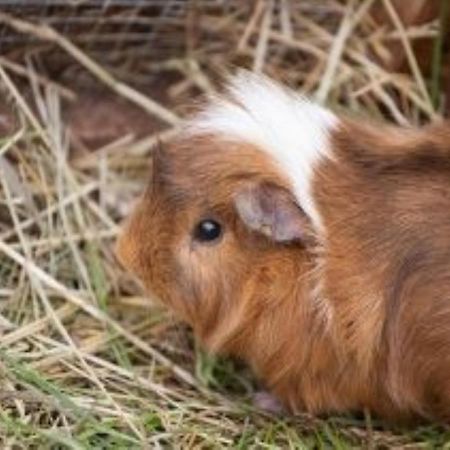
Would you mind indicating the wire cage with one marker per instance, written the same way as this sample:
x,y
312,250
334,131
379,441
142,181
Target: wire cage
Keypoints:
x,y
290,40
120,34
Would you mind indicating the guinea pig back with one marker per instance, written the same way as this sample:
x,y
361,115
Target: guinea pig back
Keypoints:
x,y
314,247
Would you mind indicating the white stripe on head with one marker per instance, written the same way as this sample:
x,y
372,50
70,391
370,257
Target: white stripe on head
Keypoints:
x,y
282,123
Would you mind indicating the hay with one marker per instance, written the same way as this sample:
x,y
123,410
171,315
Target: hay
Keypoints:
x,y
86,360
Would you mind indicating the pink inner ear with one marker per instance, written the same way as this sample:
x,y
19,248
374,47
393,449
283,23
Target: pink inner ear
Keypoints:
x,y
271,210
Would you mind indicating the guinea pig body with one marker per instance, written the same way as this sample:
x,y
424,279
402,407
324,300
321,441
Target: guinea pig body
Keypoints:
x,y
315,248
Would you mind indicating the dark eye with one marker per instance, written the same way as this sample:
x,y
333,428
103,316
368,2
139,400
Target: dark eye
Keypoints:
x,y
207,230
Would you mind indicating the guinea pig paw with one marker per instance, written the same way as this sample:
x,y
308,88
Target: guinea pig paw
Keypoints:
x,y
267,402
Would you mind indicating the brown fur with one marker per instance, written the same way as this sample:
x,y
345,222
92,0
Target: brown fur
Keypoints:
x,y
359,321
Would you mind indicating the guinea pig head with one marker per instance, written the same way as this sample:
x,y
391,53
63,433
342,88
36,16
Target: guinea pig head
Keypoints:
x,y
217,231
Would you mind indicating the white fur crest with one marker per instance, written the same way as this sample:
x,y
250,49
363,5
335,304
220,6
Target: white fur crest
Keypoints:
x,y
282,123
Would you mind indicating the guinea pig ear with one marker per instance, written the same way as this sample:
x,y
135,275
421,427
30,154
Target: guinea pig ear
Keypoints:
x,y
271,210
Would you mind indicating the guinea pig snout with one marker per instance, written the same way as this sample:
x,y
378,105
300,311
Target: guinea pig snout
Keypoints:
x,y
127,248
122,249
136,247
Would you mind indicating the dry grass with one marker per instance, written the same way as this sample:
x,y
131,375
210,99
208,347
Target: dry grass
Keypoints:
x,y
87,361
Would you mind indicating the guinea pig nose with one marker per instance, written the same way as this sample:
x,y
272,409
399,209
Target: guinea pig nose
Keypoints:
x,y
119,249
125,249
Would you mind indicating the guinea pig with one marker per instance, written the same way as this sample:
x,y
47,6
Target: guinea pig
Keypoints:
x,y
314,247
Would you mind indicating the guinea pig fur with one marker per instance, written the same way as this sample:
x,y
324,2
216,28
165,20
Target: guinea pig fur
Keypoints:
x,y
314,247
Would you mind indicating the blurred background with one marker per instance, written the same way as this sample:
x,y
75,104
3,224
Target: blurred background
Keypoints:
x,y
386,59
88,89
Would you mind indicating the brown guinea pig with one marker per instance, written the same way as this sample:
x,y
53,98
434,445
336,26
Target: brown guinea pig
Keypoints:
x,y
313,247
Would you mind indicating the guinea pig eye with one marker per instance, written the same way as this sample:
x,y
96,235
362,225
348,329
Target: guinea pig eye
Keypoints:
x,y
207,230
